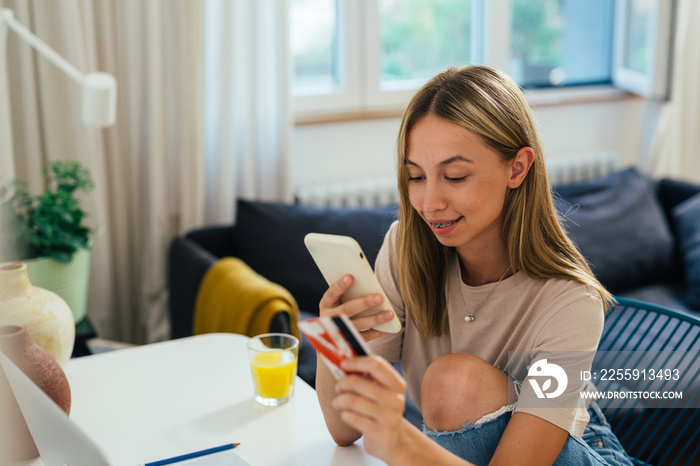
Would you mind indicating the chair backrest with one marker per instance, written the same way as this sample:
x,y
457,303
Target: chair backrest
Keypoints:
x,y
663,346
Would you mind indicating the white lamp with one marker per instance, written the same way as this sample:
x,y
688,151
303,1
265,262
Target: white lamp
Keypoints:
x,y
99,89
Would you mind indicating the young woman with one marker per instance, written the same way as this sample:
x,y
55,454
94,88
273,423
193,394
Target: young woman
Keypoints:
x,y
488,288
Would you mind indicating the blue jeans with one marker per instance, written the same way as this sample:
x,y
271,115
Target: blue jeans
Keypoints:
x,y
477,443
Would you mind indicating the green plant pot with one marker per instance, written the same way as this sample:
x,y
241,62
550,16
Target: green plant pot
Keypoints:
x,y
68,280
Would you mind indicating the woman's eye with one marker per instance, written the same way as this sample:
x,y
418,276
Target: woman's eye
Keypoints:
x,y
415,179
458,179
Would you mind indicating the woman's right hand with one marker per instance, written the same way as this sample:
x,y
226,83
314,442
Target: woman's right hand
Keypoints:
x,y
331,306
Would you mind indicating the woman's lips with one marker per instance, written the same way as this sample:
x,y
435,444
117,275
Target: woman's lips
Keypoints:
x,y
443,227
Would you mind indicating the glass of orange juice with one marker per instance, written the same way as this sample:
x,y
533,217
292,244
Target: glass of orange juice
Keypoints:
x,y
273,362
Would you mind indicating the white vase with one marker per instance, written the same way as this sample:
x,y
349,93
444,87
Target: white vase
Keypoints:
x,y
47,317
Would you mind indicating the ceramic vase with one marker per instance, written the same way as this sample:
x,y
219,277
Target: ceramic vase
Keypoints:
x,y
46,316
44,371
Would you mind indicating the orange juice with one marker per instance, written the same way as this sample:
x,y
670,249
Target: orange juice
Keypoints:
x,y
273,373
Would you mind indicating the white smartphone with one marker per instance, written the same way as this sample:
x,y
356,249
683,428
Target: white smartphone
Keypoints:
x,y
336,256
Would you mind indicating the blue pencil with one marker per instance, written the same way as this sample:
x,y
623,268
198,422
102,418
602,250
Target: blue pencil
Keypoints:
x,y
195,454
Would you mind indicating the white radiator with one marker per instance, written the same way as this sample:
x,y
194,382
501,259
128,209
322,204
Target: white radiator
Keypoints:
x,y
382,191
581,167
367,192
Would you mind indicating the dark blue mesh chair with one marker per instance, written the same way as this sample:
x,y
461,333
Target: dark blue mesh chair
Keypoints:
x,y
646,336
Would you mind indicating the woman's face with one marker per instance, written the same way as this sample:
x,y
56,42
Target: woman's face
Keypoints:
x,y
457,184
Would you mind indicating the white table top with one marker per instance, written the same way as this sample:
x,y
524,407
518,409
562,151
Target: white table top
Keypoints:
x,y
157,401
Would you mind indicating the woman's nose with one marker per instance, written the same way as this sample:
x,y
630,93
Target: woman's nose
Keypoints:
x,y
433,198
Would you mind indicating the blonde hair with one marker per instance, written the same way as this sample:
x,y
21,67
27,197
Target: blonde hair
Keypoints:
x,y
490,104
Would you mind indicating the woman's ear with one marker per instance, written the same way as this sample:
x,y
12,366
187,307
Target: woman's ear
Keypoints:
x,y
520,166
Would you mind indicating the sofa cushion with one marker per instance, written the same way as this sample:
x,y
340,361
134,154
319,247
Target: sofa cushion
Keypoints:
x,y
686,218
619,226
270,239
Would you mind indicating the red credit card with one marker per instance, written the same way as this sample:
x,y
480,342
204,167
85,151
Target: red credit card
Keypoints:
x,y
335,339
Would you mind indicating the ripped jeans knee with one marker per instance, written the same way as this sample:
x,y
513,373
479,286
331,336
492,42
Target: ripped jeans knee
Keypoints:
x,y
477,442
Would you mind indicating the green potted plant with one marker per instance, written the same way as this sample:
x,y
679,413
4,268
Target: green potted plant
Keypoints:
x,y
47,232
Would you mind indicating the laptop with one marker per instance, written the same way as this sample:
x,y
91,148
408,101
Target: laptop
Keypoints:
x,y
60,441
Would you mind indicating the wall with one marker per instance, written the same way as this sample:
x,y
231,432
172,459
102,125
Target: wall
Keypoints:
x,y
344,151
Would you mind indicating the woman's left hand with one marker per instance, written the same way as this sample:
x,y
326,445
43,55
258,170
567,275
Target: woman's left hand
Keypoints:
x,y
372,401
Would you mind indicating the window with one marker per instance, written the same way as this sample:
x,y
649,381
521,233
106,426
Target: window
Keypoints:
x,y
559,43
325,41
371,55
418,39
314,46
642,60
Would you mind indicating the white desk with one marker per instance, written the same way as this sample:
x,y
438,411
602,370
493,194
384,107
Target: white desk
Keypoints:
x,y
156,401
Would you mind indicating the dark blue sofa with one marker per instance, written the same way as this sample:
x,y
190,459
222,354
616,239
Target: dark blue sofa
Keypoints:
x,y
624,223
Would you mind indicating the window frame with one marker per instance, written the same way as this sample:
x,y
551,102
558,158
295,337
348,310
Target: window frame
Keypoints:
x,y
377,99
360,95
655,85
348,96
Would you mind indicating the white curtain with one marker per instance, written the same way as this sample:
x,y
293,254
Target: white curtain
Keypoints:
x,y
154,154
675,148
150,169
248,119
46,125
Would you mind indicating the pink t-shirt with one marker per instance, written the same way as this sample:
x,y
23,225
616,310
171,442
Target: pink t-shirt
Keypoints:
x,y
532,316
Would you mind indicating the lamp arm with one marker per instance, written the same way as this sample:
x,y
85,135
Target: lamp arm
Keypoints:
x,y
41,46
99,89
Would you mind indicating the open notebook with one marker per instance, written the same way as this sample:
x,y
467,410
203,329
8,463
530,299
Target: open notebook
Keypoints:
x,y
59,440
